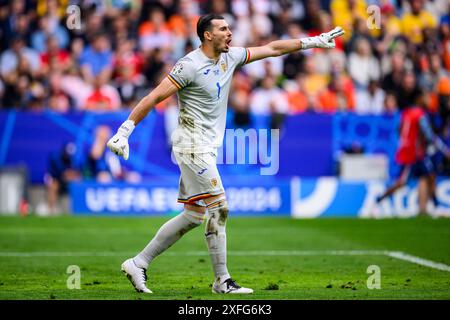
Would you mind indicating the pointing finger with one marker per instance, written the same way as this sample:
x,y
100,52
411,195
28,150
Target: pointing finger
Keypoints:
x,y
336,32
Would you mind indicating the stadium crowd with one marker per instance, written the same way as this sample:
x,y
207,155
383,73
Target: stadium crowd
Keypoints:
x,y
105,55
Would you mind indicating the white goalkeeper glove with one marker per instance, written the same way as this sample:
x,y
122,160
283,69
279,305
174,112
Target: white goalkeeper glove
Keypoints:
x,y
324,40
119,142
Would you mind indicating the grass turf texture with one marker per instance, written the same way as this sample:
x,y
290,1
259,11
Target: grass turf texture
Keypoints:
x,y
179,276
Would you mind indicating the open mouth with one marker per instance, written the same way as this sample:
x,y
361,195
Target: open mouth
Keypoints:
x,y
228,43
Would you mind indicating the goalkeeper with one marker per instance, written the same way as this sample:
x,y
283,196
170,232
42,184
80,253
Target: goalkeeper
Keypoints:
x,y
202,80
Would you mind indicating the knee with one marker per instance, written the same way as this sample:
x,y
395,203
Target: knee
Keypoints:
x,y
219,211
217,218
223,213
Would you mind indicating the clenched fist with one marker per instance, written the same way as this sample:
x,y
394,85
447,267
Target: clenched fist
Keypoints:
x,y
119,142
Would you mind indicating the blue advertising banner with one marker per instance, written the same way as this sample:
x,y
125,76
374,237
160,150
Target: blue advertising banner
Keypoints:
x,y
331,197
301,198
160,198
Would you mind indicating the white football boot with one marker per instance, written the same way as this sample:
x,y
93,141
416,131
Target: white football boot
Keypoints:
x,y
229,286
136,275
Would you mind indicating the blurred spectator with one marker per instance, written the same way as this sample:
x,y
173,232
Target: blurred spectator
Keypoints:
x,y
362,65
390,23
431,78
9,60
114,8
314,81
53,8
327,60
54,58
127,63
123,48
61,170
36,96
58,100
261,24
127,73
103,166
296,95
21,27
390,103
270,100
240,103
15,91
287,13
10,20
310,18
242,28
345,12
444,102
154,65
293,63
408,91
49,28
416,21
360,31
221,7
335,97
103,97
122,31
444,29
97,59
93,25
76,49
74,86
370,101
183,22
96,167
155,32
393,78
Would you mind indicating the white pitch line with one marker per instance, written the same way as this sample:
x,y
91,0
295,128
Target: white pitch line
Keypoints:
x,y
417,260
199,253
61,254
393,254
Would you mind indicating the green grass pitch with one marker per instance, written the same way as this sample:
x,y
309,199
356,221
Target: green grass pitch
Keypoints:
x,y
280,258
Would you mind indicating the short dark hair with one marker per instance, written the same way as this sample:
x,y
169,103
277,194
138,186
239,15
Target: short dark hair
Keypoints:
x,y
204,24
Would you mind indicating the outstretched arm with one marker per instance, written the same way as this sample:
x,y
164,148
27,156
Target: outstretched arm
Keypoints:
x,y
164,90
280,47
119,142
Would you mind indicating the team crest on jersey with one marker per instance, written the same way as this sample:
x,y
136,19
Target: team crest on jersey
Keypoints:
x,y
177,68
224,66
214,182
